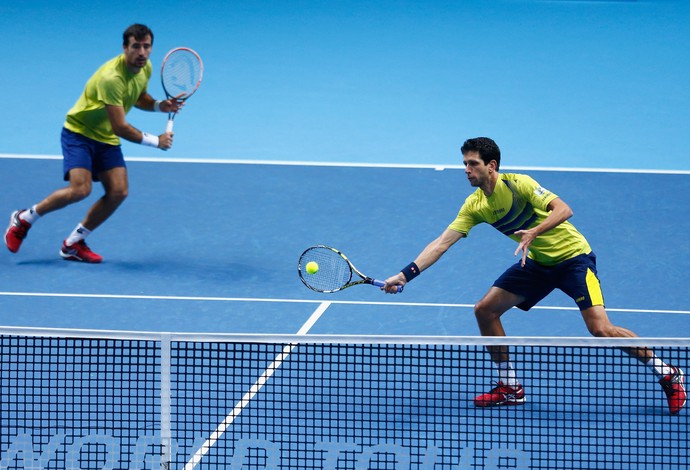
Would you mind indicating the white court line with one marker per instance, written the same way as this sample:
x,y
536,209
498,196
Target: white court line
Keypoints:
x,y
305,301
437,166
261,381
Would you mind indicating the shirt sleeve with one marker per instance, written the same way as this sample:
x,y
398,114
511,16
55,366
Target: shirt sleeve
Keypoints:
x,y
537,195
111,91
465,220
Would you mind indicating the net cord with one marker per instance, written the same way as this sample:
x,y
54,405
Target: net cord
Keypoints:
x,y
349,339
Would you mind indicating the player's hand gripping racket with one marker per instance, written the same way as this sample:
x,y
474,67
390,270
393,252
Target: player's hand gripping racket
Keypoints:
x,y
332,271
181,75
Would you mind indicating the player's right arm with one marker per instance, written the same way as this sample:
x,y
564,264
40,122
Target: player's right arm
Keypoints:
x,y
426,258
124,130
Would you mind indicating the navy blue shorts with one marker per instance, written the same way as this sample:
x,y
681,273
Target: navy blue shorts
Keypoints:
x,y
81,152
577,277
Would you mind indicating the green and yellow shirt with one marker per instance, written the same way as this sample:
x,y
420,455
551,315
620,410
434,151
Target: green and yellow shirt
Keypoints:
x,y
112,84
519,203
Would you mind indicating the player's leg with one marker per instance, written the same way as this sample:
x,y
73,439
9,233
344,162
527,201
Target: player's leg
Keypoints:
x,y
517,286
79,188
671,378
581,282
116,185
21,220
488,312
77,164
110,169
599,325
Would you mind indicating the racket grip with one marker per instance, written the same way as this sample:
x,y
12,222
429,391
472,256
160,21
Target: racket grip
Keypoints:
x,y
169,126
378,283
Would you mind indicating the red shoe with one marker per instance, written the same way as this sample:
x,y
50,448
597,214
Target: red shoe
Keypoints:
x,y
501,395
673,385
16,232
79,252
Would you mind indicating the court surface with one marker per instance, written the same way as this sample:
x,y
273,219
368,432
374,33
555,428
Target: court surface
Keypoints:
x,y
213,247
562,84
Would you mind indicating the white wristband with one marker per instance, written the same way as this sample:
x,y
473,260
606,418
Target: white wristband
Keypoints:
x,y
157,106
149,139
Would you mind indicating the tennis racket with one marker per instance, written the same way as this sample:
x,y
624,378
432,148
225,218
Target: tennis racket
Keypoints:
x,y
181,75
334,271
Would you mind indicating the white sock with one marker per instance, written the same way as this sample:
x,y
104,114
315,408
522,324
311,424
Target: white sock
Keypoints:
x,y
506,374
77,235
30,215
660,368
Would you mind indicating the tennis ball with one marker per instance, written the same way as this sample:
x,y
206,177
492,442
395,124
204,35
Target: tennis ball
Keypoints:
x,y
312,267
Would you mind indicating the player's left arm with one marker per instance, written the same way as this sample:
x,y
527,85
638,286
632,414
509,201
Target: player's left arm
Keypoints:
x,y
429,255
121,128
124,130
147,102
559,212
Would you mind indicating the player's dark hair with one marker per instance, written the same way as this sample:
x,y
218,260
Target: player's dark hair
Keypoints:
x,y
138,31
487,149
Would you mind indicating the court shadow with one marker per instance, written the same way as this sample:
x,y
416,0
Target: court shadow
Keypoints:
x,y
41,262
182,269
55,261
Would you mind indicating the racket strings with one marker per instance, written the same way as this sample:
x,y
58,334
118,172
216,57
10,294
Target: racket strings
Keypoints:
x,y
334,272
181,74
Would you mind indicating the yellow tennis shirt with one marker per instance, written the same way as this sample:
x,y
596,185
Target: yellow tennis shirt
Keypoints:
x,y
519,203
112,84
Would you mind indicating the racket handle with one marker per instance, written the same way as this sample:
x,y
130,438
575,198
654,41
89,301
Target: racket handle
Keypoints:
x,y
169,126
378,283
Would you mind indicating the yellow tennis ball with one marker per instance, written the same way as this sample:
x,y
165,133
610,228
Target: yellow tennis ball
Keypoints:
x,y
312,267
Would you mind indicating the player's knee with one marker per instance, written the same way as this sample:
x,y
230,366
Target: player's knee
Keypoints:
x,y
117,195
120,195
602,330
80,192
484,311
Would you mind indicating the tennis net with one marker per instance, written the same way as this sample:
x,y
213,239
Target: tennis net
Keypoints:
x,y
72,399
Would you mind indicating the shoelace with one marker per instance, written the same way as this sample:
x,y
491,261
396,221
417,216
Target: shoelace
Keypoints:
x,y
21,228
500,386
667,385
83,245
80,243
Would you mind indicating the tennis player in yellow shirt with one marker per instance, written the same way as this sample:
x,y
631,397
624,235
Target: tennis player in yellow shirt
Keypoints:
x,y
553,255
91,144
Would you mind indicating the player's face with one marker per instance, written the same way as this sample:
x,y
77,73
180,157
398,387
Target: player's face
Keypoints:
x,y
476,170
137,52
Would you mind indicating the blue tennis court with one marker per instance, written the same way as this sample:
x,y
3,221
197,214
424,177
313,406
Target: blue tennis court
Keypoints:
x,y
225,260
340,123
227,265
